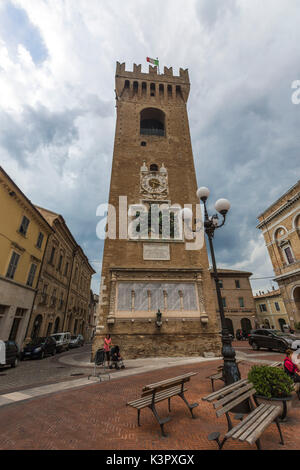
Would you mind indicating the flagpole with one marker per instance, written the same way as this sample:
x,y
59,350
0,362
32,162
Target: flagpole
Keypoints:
x,y
158,65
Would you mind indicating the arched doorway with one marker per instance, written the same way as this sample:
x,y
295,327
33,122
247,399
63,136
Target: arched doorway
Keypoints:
x,y
246,325
56,325
281,322
36,326
229,325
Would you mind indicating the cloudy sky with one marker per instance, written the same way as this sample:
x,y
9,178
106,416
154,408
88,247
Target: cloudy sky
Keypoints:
x,y
57,109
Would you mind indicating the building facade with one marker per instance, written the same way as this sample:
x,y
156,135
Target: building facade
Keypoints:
x,y
156,295
280,225
237,297
92,316
270,310
62,301
23,239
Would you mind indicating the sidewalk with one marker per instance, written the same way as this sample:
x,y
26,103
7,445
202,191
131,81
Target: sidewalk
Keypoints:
x,y
133,367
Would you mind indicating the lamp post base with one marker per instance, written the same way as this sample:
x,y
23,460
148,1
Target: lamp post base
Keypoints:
x,y
231,371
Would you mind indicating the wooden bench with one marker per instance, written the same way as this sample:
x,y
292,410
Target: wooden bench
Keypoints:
x,y
160,391
218,375
275,364
253,424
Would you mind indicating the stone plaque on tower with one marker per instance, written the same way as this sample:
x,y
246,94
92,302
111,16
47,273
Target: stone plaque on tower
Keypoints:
x,y
152,168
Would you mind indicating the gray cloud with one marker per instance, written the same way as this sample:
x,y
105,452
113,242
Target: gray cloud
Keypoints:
x,y
32,129
210,11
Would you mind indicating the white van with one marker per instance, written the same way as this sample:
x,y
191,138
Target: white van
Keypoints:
x,y
62,341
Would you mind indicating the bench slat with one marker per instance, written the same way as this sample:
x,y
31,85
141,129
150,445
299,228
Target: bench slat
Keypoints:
x,y
259,429
255,413
169,381
253,422
225,390
235,402
215,376
162,393
143,402
253,427
163,387
235,394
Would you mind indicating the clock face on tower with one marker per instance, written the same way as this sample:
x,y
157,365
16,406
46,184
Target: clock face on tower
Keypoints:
x,y
154,185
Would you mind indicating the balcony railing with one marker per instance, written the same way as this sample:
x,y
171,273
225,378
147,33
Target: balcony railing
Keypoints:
x,y
159,132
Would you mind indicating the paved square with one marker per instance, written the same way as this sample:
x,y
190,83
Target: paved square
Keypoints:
x,y
96,417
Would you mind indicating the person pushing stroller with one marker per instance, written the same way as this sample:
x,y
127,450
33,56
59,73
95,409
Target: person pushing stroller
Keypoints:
x,y
116,358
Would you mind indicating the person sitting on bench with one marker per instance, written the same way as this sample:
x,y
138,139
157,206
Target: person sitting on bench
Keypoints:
x,y
291,369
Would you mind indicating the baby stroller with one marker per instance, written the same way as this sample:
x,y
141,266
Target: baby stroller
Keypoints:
x,y
99,362
116,358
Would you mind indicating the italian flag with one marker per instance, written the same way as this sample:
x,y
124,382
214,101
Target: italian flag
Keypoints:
x,y
153,61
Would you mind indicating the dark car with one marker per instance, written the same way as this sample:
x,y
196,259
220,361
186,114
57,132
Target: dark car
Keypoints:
x,y
270,339
39,348
11,354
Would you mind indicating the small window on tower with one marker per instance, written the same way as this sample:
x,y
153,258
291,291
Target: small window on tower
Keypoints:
x,y
153,167
127,84
143,144
152,89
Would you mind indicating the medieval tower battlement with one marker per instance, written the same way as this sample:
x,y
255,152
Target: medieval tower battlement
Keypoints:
x,y
153,163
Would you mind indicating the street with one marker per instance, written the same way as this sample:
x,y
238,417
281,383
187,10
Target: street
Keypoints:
x,y
34,372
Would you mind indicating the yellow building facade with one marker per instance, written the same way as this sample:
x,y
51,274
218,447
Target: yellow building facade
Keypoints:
x,y
270,310
280,225
23,239
62,301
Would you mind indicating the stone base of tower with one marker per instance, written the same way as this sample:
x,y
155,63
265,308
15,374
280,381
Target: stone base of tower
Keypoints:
x,y
186,339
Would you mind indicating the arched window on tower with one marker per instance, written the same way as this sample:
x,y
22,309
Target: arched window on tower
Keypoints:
x,y
152,89
153,167
161,90
127,84
135,87
144,88
152,122
178,91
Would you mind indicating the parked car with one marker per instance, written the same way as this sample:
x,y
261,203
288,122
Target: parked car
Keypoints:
x,y
272,339
11,354
39,348
62,341
76,341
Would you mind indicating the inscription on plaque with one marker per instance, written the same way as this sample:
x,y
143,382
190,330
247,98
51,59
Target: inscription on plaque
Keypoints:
x,y
156,251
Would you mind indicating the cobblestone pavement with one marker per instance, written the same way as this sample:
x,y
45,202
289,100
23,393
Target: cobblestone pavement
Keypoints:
x,y
38,372
96,417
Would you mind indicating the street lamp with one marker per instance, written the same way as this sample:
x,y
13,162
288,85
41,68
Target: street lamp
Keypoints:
x,y
231,372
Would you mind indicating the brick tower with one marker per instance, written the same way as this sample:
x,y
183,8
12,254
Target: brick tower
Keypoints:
x,y
153,164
